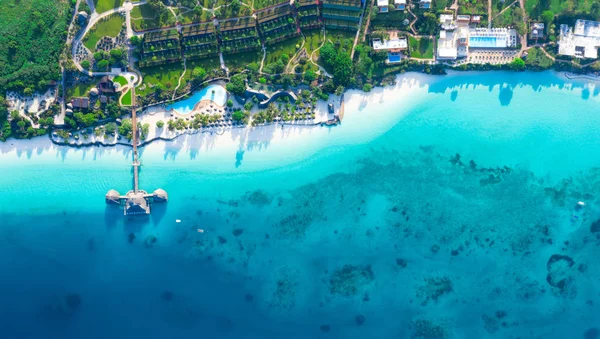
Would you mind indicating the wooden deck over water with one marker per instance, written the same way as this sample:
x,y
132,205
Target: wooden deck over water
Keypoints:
x,y
136,162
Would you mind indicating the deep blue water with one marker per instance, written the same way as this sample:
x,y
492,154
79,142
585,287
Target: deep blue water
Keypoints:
x,y
448,210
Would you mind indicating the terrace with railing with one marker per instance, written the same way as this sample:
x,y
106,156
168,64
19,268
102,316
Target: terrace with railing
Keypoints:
x,y
350,5
237,24
240,45
160,48
199,40
274,12
160,58
277,23
308,16
239,35
341,14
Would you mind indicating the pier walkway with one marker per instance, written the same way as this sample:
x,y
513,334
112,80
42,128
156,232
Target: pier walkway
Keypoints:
x,y
136,161
136,201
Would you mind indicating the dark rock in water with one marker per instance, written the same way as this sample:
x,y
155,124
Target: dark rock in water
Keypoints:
x,y
595,226
130,237
591,333
435,248
150,240
360,319
166,296
500,314
222,240
237,232
73,301
351,280
401,262
560,273
433,288
249,298
325,328
582,268
259,198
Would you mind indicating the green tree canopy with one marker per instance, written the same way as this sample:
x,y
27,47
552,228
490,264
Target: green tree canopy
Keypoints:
x,y
518,64
199,74
236,84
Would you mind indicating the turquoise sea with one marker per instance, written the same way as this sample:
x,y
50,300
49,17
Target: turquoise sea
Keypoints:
x,y
443,207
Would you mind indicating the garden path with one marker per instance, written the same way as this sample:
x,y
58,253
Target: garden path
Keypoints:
x,y
180,77
362,14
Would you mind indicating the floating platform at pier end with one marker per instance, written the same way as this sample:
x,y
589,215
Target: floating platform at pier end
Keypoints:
x,y
136,201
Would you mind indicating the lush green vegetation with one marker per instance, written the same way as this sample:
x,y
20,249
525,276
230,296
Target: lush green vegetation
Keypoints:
x,y
338,60
236,84
148,17
536,59
420,48
472,7
105,27
163,77
81,89
126,99
105,5
120,80
32,38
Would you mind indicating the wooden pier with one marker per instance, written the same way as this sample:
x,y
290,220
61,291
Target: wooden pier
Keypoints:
x,y
136,201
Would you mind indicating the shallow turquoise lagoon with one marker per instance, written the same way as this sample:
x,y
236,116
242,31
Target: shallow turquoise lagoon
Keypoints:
x,y
215,93
448,208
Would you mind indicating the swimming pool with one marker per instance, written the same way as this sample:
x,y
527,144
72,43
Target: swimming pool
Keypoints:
x,y
216,93
393,58
486,41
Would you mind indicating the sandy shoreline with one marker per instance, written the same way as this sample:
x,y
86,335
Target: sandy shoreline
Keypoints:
x,y
367,116
254,137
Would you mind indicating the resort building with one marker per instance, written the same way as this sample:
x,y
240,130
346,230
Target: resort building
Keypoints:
x,y
81,103
463,19
425,4
394,45
382,5
492,38
400,5
582,41
447,22
105,85
341,14
452,43
537,30
476,19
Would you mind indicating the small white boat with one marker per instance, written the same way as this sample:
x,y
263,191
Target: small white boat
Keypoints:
x,y
177,220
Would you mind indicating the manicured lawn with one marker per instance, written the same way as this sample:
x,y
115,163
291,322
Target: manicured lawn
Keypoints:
x,y
105,5
126,99
314,38
80,90
121,80
472,6
421,49
344,37
207,63
240,60
110,27
288,47
165,75
143,17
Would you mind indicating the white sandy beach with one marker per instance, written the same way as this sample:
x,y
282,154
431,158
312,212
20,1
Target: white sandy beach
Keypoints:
x,y
367,115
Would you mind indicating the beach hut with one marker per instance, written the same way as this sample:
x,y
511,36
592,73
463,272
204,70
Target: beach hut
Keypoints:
x,y
113,197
